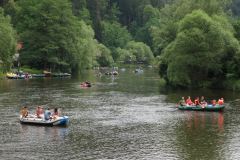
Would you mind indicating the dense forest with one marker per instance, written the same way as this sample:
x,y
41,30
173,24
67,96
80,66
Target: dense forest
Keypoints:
x,y
192,41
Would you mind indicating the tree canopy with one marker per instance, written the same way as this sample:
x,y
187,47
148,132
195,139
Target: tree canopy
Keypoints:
x,y
8,42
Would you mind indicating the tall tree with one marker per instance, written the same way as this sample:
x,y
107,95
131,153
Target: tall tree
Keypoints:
x,y
115,36
200,49
50,34
141,51
8,43
97,9
151,18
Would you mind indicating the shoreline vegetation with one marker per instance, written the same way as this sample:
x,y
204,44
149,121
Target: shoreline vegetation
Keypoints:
x,y
233,84
193,44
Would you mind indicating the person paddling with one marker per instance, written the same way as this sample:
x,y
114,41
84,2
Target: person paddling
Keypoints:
x,y
182,102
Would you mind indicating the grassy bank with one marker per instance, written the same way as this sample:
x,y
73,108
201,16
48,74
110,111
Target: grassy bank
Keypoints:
x,y
31,70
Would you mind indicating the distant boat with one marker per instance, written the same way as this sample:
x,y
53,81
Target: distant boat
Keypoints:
x,y
138,70
46,72
15,76
38,75
61,75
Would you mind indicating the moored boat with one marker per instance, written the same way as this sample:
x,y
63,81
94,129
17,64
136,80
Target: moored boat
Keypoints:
x,y
61,75
15,76
47,72
41,121
38,75
205,108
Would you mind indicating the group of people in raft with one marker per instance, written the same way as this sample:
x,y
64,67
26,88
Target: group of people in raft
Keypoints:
x,y
39,113
199,102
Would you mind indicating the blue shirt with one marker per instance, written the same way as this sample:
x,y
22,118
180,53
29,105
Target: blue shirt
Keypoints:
x,y
47,114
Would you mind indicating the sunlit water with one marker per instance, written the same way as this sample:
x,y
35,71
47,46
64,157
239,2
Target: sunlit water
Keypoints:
x,y
132,117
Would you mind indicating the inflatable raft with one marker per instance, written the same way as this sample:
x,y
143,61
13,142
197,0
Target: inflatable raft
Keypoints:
x,y
205,108
42,121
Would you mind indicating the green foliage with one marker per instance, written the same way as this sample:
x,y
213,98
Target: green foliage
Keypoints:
x,y
172,15
8,43
125,56
201,47
113,14
115,36
31,70
142,52
11,9
150,13
52,37
151,18
104,57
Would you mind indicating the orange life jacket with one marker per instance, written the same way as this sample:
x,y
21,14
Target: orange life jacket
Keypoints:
x,y
196,101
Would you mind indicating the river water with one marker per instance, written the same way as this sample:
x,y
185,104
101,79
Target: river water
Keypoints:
x,y
131,117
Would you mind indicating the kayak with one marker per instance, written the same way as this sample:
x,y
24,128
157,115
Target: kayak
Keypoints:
x,y
205,108
41,121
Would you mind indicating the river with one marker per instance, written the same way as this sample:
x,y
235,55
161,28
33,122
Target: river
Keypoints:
x,y
131,117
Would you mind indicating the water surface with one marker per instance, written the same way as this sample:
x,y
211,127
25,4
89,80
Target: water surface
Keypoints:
x,y
132,117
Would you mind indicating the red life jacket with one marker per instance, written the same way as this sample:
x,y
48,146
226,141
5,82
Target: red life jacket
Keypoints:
x,y
220,102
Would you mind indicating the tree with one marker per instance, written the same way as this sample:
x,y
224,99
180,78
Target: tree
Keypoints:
x,y
171,15
11,9
125,56
115,36
142,52
50,34
8,43
151,18
113,14
104,57
201,47
79,9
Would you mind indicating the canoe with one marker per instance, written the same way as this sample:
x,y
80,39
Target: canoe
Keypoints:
x,y
205,108
40,121
61,75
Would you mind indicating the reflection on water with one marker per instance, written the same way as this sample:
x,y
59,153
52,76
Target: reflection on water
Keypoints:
x,y
197,121
131,117
201,135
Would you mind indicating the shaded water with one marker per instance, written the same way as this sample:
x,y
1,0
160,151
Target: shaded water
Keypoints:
x,y
132,117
